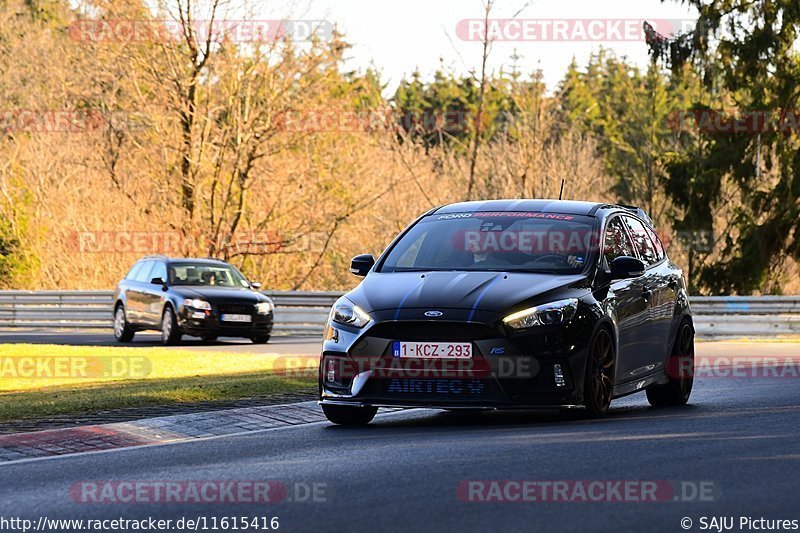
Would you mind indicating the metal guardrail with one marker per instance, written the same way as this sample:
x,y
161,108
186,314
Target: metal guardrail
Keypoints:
x,y
304,313
746,316
296,313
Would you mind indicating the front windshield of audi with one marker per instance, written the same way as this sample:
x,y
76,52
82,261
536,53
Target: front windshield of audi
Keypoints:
x,y
496,241
204,274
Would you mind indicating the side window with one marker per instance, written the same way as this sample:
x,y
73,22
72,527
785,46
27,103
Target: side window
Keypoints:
x,y
409,257
143,275
616,242
657,242
135,270
159,271
647,250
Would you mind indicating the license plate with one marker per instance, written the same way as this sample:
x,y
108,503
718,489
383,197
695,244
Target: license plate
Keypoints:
x,y
432,350
237,318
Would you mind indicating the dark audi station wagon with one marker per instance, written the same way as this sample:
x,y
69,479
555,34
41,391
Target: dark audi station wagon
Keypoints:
x,y
511,304
205,298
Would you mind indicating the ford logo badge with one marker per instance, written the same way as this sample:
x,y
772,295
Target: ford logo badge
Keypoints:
x,y
433,313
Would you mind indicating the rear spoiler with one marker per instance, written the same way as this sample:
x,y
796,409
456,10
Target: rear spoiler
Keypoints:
x,y
639,212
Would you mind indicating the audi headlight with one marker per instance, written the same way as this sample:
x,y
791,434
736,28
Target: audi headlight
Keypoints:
x,y
264,308
197,304
554,313
346,312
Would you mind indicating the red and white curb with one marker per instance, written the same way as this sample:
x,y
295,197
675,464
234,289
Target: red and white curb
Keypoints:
x,y
175,428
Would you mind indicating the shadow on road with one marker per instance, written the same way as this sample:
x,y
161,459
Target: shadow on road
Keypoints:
x,y
524,418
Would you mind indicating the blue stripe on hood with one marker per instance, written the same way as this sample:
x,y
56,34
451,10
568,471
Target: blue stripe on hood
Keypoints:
x,y
481,295
406,297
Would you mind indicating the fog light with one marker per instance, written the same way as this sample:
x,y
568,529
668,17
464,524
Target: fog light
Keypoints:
x,y
559,376
331,371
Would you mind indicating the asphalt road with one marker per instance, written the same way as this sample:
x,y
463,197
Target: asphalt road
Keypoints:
x,y
278,344
739,436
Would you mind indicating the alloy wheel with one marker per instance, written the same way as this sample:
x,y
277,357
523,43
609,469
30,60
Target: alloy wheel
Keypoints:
x,y
119,322
602,370
166,325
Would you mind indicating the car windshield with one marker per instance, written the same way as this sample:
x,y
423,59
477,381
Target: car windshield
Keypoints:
x,y
205,275
496,241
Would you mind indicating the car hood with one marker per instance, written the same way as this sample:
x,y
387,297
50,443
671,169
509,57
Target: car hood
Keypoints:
x,y
486,291
220,294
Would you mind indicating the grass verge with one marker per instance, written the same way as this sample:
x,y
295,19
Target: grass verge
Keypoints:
x,y
39,380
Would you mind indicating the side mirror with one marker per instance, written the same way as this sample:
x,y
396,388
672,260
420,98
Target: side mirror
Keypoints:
x,y
360,265
157,281
255,285
627,267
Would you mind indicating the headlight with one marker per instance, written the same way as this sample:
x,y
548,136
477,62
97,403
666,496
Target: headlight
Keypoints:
x,y
264,308
559,312
197,304
349,314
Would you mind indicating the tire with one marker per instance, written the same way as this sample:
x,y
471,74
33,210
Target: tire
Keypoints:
x,y
170,334
209,338
680,371
122,330
264,339
598,385
345,415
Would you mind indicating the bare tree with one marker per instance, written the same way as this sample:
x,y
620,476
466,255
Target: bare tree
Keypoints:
x,y
481,98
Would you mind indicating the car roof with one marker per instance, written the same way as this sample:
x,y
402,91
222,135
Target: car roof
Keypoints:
x,y
203,261
566,207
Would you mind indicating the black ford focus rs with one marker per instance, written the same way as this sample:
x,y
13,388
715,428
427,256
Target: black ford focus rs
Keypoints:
x,y
511,304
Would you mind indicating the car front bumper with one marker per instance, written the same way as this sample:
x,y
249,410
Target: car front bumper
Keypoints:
x,y
190,324
542,368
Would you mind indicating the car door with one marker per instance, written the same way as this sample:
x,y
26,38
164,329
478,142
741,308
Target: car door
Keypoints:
x,y
153,295
127,290
136,293
655,291
667,281
630,307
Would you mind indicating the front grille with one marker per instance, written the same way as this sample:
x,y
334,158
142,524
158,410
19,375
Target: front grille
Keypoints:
x,y
433,390
236,309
